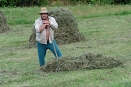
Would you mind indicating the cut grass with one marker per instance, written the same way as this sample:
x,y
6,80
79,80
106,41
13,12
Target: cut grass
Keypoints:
x,y
108,35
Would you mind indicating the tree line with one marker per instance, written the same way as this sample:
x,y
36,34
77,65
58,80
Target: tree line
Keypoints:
x,y
22,3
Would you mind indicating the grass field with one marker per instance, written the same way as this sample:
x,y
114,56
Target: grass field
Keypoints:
x,y
107,29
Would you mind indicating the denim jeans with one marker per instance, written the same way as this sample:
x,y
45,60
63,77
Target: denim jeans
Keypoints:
x,y
42,48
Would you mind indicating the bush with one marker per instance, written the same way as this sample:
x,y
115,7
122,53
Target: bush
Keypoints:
x,y
18,3
122,1
5,3
110,1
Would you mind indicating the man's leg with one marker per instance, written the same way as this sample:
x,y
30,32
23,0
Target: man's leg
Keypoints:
x,y
50,46
41,53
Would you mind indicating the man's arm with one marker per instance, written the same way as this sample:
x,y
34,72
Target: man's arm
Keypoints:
x,y
42,27
53,23
39,28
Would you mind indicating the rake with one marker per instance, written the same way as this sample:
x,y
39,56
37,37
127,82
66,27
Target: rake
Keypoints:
x,y
53,44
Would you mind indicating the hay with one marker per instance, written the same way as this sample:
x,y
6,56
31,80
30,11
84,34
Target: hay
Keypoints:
x,y
32,39
67,31
86,61
3,23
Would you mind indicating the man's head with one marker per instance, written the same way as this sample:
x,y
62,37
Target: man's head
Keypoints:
x,y
43,13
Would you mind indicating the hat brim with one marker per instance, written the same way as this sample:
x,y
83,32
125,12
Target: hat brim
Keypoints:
x,y
43,12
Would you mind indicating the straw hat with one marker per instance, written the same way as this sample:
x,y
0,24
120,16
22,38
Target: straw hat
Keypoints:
x,y
43,10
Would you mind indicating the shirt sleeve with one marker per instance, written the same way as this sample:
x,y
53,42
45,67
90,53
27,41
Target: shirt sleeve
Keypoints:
x,y
53,23
37,25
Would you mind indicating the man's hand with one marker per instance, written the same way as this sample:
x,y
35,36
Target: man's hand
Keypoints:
x,y
46,25
46,22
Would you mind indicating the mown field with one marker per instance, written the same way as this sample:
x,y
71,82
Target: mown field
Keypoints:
x,y
107,29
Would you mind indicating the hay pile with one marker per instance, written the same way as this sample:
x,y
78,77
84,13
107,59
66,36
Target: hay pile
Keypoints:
x,y
67,31
85,61
3,23
32,39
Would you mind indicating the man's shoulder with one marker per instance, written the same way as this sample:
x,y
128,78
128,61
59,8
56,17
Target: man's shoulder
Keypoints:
x,y
50,17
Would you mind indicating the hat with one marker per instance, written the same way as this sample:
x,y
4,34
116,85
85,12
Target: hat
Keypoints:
x,y
43,10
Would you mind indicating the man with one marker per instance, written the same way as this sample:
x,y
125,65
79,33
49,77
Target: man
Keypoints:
x,y
45,26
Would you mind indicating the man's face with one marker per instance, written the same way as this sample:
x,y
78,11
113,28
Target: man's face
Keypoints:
x,y
44,16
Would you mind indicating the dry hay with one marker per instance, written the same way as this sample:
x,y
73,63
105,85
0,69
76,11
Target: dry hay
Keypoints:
x,y
85,61
67,31
3,23
32,39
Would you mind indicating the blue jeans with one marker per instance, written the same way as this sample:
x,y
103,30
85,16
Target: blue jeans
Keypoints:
x,y
42,48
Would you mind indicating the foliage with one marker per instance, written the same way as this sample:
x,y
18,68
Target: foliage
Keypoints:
x,y
5,3
101,1
110,1
75,2
122,1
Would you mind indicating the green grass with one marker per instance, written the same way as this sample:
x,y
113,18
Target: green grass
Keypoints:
x,y
106,34
20,15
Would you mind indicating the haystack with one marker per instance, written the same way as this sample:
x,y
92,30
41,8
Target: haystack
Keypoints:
x,y
86,61
3,23
67,31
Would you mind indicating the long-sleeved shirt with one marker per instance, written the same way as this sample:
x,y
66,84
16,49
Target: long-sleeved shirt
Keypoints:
x,y
41,36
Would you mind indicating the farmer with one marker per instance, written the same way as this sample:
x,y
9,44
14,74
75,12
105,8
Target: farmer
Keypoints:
x,y
45,26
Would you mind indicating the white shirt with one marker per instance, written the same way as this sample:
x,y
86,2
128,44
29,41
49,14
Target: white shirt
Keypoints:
x,y
41,36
